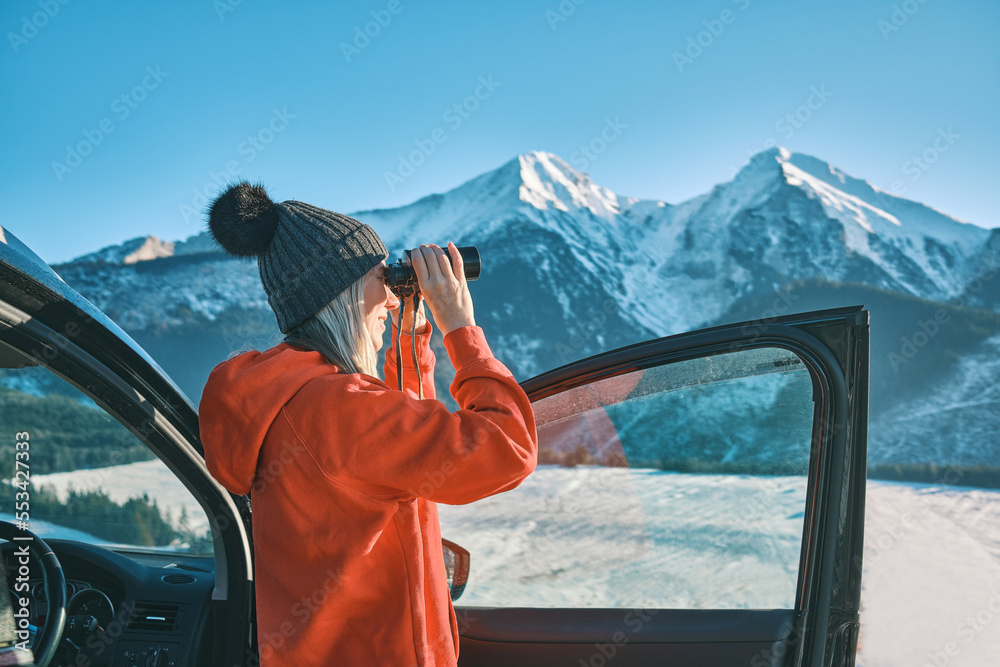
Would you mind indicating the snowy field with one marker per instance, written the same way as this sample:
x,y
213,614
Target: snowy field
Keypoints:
x,y
931,579
621,537
122,482
931,582
594,537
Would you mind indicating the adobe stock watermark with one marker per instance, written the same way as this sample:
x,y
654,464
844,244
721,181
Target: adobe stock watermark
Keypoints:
x,y
757,327
363,35
699,42
98,644
876,547
971,627
899,17
793,631
919,164
223,7
455,115
58,344
634,621
274,640
802,114
587,153
30,25
921,336
787,125
586,330
275,468
122,107
925,330
562,13
249,148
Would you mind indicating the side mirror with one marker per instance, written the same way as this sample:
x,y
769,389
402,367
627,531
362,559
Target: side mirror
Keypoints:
x,y
456,564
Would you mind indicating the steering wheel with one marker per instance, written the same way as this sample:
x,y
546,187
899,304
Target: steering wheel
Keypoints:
x,y
47,639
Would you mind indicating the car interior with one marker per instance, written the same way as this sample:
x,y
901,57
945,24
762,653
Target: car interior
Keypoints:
x,y
145,603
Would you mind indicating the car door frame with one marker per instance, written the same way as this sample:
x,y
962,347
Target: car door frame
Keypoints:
x,y
822,629
54,326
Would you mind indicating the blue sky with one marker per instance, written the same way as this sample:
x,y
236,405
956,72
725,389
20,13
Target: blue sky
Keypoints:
x,y
164,98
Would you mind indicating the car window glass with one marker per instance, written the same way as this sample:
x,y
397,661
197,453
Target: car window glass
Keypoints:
x,y
84,476
677,486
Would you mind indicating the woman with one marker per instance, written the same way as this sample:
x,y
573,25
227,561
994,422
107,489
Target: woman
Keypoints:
x,y
345,470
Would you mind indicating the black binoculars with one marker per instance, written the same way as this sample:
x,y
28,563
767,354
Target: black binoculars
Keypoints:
x,y
402,279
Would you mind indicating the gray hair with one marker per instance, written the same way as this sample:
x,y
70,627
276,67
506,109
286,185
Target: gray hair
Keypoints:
x,y
338,332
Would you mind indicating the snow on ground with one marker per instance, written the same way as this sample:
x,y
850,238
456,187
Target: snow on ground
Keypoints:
x,y
931,577
596,537
131,480
620,537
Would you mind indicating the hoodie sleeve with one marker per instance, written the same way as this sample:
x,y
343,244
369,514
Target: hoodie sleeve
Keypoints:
x,y
385,443
425,356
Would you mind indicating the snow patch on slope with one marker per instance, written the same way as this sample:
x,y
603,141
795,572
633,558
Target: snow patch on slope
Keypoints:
x,y
548,182
955,422
139,249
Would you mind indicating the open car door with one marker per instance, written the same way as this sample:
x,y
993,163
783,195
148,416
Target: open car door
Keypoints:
x,y
162,618
699,500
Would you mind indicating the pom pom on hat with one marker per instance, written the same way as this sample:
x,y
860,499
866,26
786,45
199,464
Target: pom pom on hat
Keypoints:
x,y
243,220
306,255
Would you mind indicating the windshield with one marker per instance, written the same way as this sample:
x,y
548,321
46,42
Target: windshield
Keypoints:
x,y
76,473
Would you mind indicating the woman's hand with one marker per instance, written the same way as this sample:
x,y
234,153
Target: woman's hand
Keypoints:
x,y
407,326
444,286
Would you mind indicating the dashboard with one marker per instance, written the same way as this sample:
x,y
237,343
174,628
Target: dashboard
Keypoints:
x,y
125,608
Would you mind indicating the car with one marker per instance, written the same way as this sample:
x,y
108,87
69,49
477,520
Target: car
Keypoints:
x,y
699,499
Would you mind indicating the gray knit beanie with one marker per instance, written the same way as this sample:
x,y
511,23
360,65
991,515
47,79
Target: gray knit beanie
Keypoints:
x,y
306,255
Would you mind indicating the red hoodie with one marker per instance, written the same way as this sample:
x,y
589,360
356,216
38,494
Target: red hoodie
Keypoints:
x,y
345,472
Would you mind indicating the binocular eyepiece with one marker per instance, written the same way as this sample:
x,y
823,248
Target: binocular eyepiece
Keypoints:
x,y
402,279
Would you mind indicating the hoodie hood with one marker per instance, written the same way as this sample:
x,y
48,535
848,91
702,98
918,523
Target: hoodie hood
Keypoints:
x,y
242,398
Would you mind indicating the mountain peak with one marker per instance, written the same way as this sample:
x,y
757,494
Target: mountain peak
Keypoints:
x,y
827,173
778,160
859,204
546,181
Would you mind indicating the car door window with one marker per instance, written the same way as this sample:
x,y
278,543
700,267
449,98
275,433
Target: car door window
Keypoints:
x,y
680,485
89,478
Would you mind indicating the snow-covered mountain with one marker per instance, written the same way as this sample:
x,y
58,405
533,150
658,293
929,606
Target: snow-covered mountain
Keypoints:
x,y
791,216
785,216
571,268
